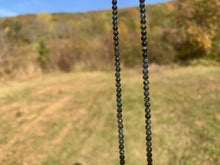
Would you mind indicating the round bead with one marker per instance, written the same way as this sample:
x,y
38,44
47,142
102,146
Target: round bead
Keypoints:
x,y
114,12
147,110
143,38
142,10
117,74
149,160
118,89
149,149
143,27
116,38
144,49
115,32
118,94
114,17
143,32
148,116
121,141
115,22
121,151
119,115
118,99
116,43
118,69
143,21
145,65
118,85
120,131
146,93
121,156
147,127
146,82
146,99
119,110
120,126
145,71
148,138
118,79
144,54
148,132
117,59
114,7
119,104
149,144
144,43
120,136
121,146
148,121
145,77
122,162
115,27
146,87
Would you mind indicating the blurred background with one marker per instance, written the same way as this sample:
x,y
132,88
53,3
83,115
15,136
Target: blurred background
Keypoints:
x,y
57,85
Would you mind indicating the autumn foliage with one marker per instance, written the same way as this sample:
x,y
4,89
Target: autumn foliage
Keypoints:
x,y
178,31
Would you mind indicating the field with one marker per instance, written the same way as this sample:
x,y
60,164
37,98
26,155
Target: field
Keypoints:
x,y
62,119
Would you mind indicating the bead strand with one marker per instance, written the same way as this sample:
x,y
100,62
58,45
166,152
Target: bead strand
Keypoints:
x,y
118,80
146,82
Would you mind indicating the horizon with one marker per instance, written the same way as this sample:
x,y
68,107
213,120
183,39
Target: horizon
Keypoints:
x,y
21,7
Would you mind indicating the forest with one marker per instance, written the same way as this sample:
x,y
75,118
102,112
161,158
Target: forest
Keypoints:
x,y
179,32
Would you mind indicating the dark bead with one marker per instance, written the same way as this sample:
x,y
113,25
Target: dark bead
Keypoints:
x,y
146,87
119,115
118,79
148,121
148,138
114,12
148,132
146,99
145,60
118,85
116,43
117,74
148,116
120,131
143,27
144,54
149,154
117,59
120,120
116,48
146,82
121,156
118,94
114,17
118,99
114,7
119,104
115,32
116,38
149,160
142,10
147,127
147,104
143,21
149,144
115,22
144,43
143,15
146,93
141,1
121,146
122,162
149,149
119,110
117,53
144,38
118,89
115,27
118,69
120,136
120,125
145,71
145,77
121,141
143,32
145,65
147,110
121,152
144,49
117,64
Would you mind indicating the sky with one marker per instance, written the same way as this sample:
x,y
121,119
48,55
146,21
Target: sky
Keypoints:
x,y
17,7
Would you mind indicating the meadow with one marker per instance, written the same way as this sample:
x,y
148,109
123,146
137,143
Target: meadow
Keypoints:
x,y
64,118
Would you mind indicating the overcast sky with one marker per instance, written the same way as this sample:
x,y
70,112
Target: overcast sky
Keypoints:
x,y
16,7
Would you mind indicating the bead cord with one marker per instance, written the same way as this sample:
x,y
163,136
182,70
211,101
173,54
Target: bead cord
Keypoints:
x,y
118,80
146,82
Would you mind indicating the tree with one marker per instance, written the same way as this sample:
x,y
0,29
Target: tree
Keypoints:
x,y
197,23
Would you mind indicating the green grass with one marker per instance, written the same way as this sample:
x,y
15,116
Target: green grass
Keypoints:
x,y
62,119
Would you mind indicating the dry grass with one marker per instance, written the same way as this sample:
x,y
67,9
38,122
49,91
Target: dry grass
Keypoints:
x,y
62,119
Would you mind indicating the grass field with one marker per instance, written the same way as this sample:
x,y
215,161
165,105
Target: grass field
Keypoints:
x,y
61,119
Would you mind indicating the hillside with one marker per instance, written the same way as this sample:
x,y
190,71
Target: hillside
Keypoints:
x,y
36,44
